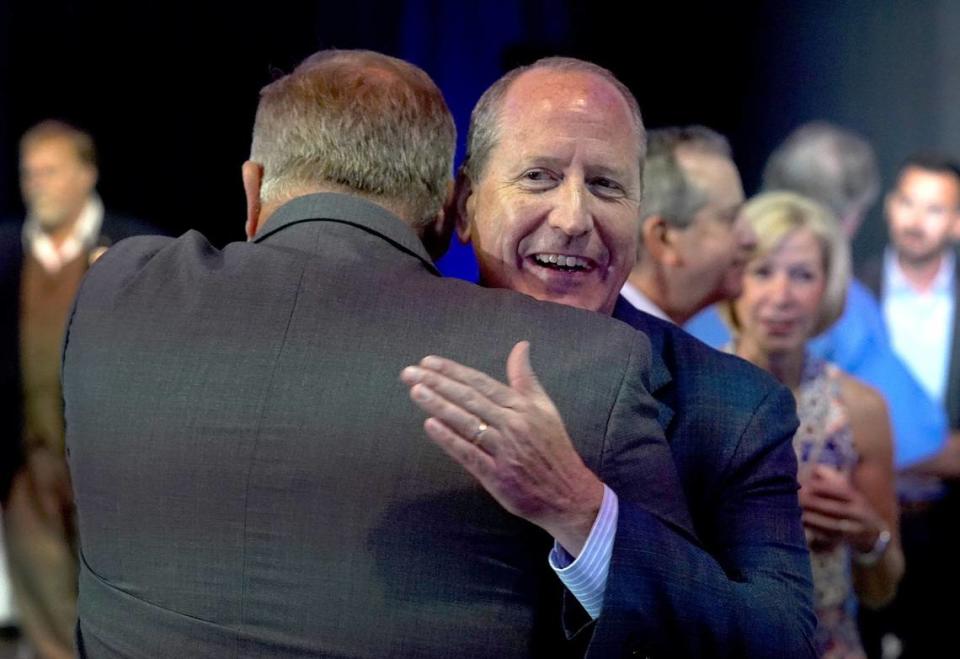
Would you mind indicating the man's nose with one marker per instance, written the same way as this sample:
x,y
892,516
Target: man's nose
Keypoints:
x,y
918,219
571,215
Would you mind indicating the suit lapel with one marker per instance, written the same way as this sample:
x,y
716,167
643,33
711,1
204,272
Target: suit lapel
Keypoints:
x,y
661,381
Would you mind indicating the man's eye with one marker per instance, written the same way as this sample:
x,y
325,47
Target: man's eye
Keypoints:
x,y
607,187
729,217
536,175
538,178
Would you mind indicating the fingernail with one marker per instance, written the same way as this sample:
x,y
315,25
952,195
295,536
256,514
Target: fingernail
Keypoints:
x,y
421,393
430,362
411,374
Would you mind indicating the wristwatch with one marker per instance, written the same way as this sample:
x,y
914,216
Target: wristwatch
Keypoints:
x,y
866,559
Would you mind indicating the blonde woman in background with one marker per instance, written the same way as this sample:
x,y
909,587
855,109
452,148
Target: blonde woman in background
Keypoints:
x,y
794,288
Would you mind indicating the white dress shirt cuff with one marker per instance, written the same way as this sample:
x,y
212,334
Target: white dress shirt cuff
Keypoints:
x,y
586,576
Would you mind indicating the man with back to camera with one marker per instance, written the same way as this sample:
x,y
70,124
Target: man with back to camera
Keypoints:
x,y
916,283
550,198
251,479
42,261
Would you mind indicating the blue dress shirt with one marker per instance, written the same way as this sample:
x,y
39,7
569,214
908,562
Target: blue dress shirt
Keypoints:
x,y
586,576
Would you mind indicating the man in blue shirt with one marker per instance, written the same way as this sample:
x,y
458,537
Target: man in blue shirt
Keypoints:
x,y
916,283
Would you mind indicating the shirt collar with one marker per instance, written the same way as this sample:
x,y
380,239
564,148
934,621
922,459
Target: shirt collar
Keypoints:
x,y
347,209
634,296
82,236
896,282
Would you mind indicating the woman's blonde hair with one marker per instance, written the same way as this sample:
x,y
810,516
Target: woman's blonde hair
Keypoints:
x,y
774,216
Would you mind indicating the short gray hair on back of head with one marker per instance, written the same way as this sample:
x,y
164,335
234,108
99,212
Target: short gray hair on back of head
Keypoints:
x,y
368,123
484,131
668,192
830,164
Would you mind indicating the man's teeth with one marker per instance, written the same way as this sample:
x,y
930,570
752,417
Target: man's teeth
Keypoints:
x,y
562,261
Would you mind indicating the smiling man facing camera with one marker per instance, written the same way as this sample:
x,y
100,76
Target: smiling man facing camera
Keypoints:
x,y
550,197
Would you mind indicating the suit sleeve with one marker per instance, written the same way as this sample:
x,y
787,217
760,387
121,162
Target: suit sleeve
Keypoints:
x,y
751,595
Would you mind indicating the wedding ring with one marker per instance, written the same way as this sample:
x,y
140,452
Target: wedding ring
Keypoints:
x,y
477,436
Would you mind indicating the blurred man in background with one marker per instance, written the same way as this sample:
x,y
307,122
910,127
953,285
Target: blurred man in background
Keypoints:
x,y
916,282
42,261
692,246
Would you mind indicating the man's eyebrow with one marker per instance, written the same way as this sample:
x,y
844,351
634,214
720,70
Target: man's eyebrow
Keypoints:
x,y
559,163
533,160
608,171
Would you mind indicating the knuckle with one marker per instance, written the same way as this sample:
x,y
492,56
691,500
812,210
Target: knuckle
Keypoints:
x,y
470,400
517,425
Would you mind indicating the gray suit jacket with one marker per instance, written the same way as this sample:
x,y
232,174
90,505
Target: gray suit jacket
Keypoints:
x,y
252,480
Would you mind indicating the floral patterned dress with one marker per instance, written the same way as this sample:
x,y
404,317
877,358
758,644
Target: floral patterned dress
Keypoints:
x,y
824,437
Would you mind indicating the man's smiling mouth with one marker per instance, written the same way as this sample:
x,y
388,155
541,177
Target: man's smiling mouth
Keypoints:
x,y
563,262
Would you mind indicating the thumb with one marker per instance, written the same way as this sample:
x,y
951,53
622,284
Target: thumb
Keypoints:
x,y
519,371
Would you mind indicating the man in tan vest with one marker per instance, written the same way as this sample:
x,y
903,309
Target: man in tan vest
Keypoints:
x,y
43,260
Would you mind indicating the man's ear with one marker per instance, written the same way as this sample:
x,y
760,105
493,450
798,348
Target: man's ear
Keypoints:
x,y
462,209
659,240
436,235
252,173
92,174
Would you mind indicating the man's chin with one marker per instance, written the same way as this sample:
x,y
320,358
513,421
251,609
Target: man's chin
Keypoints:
x,y
568,298
578,301
48,221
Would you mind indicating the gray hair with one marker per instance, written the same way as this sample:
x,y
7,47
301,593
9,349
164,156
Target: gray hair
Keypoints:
x,y
371,124
484,131
830,164
668,192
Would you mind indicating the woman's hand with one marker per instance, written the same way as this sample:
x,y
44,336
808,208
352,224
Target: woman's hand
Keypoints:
x,y
834,511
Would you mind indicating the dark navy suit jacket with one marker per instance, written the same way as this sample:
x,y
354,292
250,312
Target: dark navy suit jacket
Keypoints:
x,y
747,590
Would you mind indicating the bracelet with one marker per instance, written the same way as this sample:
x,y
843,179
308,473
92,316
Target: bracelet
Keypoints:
x,y
871,557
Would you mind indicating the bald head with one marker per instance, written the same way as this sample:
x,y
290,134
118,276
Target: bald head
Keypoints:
x,y
486,121
550,194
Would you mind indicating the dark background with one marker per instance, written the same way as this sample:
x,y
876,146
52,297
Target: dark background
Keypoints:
x,y
169,89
